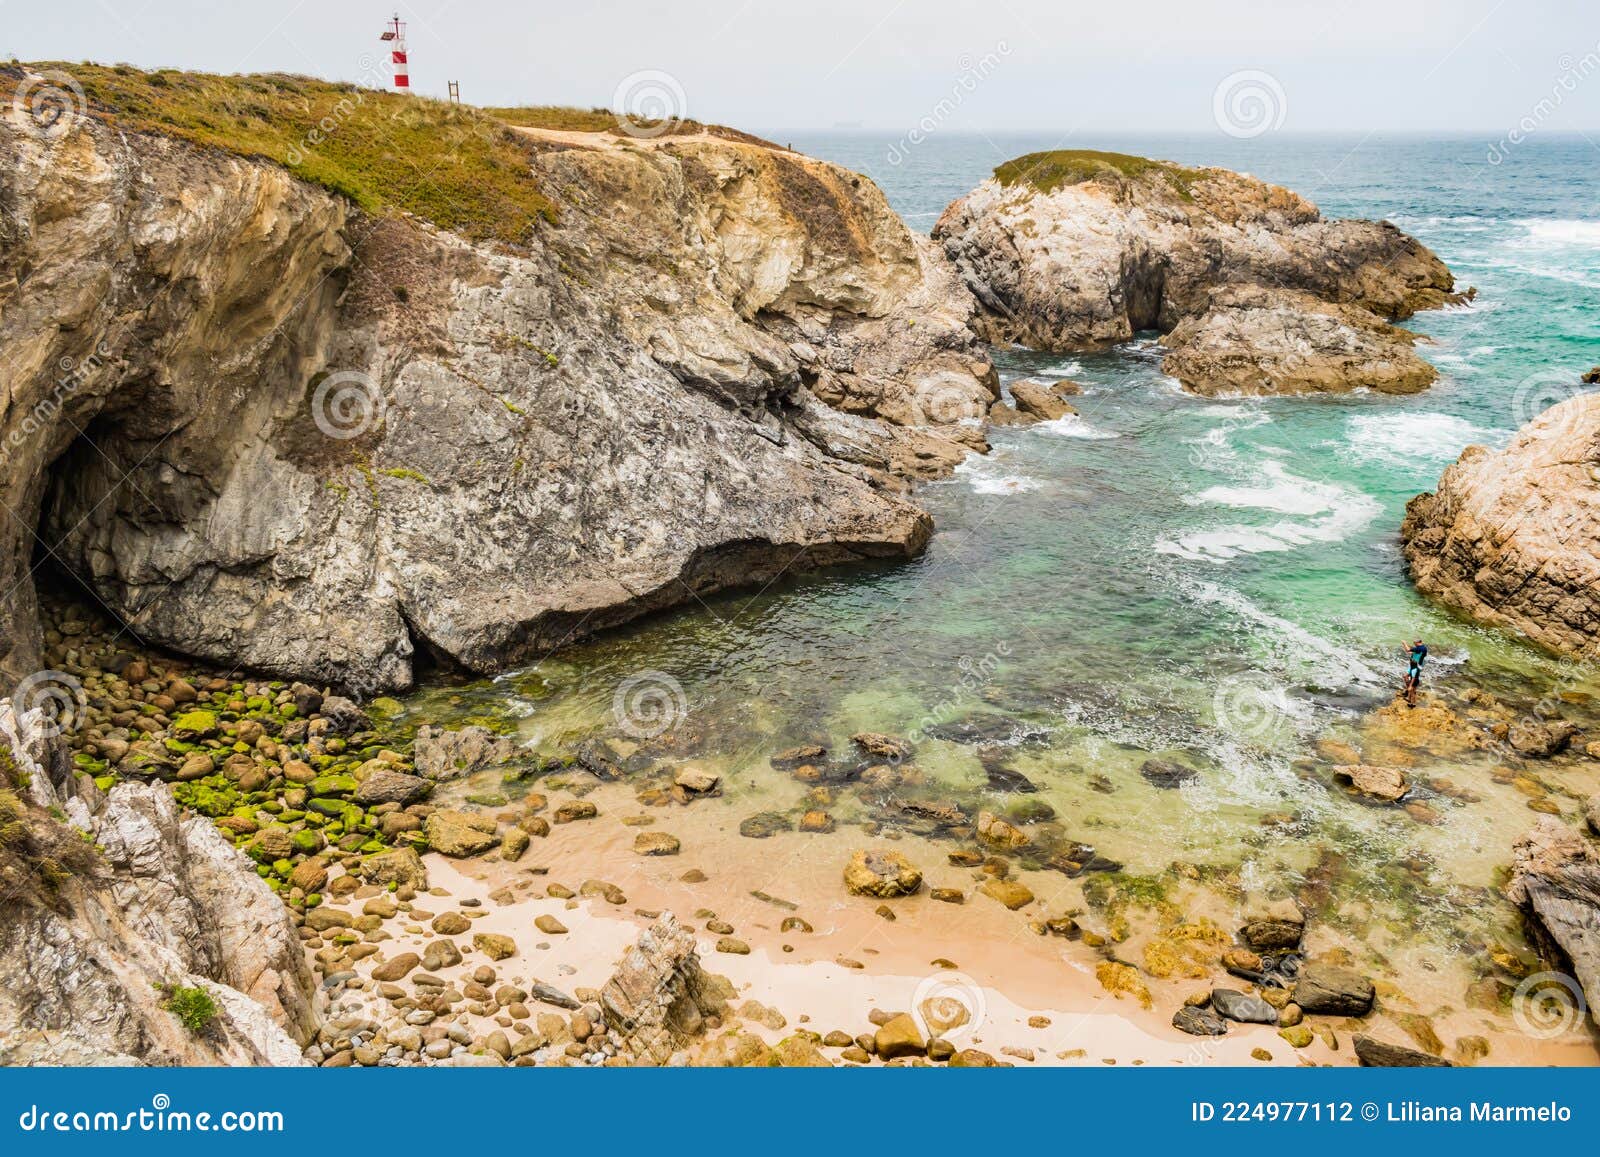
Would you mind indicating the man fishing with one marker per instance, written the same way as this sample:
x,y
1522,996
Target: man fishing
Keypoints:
x,y
1419,653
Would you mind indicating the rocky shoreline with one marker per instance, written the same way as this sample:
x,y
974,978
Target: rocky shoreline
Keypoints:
x,y
711,361
463,901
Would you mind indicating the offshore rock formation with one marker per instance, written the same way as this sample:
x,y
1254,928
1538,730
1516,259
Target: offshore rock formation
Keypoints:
x,y
317,444
1511,538
92,942
1254,292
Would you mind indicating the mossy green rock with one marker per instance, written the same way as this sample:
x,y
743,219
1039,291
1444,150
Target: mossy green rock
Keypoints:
x,y
334,785
193,725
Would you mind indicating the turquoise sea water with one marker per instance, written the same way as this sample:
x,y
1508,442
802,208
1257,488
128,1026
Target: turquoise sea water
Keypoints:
x,y
1213,581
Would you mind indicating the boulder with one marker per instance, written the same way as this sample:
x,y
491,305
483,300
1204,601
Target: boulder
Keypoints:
x,y
1045,401
658,1000
1165,773
882,873
1386,784
1333,991
442,754
390,786
1232,1004
401,867
1277,926
454,833
1372,1053
1199,1021
899,1036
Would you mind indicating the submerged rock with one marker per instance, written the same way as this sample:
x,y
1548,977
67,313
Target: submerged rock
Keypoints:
x,y
1165,773
442,754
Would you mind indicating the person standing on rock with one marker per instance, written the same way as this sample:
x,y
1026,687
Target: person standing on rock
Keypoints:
x,y
1419,653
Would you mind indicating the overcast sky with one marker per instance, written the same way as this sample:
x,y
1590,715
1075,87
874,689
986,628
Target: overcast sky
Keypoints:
x,y
988,65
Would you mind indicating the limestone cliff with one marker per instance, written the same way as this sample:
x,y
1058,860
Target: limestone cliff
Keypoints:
x,y
1254,292
105,915
270,430
1511,538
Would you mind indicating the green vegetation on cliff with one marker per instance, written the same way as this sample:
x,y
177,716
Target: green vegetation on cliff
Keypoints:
x,y
450,164
1051,170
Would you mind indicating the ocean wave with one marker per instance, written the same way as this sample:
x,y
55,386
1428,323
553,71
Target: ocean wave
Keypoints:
x,y
1409,438
1559,232
1325,512
1073,426
987,476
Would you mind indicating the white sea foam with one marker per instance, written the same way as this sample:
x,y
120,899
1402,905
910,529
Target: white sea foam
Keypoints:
x,y
1073,426
1410,438
1559,232
1323,512
988,476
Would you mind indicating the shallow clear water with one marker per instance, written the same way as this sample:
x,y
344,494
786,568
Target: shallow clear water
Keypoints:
x,y
1214,581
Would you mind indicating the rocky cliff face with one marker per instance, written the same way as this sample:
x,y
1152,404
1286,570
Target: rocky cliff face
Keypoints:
x,y
93,943
1254,292
269,431
1555,880
1511,538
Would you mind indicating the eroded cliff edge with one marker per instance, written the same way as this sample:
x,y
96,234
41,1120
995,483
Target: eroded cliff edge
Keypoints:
x,y
271,430
1253,291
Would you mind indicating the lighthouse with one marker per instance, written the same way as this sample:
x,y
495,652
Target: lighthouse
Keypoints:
x,y
395,31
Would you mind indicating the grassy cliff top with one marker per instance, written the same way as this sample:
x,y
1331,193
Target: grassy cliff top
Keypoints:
x,y
1051,170
463,168
454,165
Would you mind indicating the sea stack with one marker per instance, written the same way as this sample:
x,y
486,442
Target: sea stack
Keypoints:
x,y
1254,292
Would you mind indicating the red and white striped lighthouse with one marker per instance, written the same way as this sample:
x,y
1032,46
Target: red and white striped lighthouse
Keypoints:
x,y
396,31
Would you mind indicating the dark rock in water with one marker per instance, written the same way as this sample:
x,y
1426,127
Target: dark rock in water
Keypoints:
x,y
1076,859
1199,1022
1242,1007
1165,773
986,728
1277,927
799,756
941,814
883,748
1334,991
1541,740
596,755
1378,1054
1030,811
1004,779
764,824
